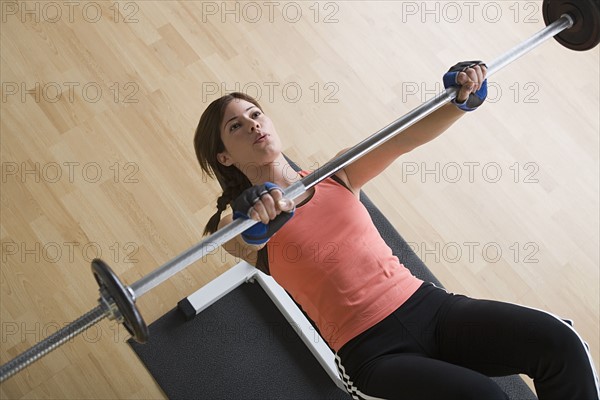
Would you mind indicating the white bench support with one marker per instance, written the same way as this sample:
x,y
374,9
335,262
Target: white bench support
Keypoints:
x,y
243,273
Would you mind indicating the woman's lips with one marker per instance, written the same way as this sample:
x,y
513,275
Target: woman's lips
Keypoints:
x,y
261,138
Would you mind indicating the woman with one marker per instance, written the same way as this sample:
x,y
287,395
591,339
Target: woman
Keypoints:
x,y
395,336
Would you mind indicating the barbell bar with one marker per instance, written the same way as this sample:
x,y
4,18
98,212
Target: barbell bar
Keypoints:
x,y
117,301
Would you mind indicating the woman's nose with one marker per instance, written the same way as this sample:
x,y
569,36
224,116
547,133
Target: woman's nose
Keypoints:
x,y
253,126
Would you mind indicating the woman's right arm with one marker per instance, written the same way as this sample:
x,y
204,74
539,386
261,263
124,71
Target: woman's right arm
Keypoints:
x,y
237,247
265,207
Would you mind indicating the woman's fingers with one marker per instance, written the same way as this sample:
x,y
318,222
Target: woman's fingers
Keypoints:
x,y
466,86
269,206
470,80
282,203
259,212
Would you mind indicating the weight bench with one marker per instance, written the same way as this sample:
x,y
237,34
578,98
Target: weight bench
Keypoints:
x,y
242,337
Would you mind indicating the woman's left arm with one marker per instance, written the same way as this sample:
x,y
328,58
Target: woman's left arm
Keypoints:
x,y
371,164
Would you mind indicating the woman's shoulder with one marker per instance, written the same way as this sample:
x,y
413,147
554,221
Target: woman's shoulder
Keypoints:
x,y
340,177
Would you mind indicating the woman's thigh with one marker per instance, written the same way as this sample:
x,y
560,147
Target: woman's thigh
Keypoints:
x,y
496,338
415,377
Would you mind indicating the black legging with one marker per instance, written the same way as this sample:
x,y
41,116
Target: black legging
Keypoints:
x,y
442,346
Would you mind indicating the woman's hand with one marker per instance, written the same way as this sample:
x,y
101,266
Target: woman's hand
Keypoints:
x,y
270,205
470,78
470,81
264,203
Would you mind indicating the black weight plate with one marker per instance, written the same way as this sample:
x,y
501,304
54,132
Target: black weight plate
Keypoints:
x,y
585,33
133,320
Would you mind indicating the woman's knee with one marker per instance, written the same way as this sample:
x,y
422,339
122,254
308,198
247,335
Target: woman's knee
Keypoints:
x,y
565,369
561,347
562,341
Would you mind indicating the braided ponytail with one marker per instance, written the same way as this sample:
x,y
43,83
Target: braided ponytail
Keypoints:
x,y
230,193
213,222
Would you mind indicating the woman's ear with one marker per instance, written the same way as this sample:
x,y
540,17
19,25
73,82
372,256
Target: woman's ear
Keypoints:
x,y
224,159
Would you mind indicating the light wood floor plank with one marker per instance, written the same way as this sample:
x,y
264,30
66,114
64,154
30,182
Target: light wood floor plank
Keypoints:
x,y
99,109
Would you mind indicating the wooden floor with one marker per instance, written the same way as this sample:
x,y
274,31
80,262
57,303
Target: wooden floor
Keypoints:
x,y
100,101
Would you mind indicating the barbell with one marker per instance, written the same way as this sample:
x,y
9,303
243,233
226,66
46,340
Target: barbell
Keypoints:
x,y
573,23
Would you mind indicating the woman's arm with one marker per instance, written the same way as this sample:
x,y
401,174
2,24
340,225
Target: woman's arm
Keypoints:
x,y
370,165
266,206
237,247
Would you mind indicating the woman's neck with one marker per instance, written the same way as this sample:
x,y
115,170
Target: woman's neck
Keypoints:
x,y
279,172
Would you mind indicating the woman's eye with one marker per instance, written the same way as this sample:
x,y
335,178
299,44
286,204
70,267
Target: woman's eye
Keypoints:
x,y
236,125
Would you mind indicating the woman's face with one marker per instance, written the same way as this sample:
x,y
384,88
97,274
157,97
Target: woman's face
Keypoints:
x,y
249,137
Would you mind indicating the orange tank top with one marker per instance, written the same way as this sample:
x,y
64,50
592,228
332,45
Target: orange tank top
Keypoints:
x,y
334,263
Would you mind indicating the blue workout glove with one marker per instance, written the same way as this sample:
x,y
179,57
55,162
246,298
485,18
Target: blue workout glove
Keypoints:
x,y
475,99
258,233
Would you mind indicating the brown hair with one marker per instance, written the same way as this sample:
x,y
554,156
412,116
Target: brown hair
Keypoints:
x,y
208,143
